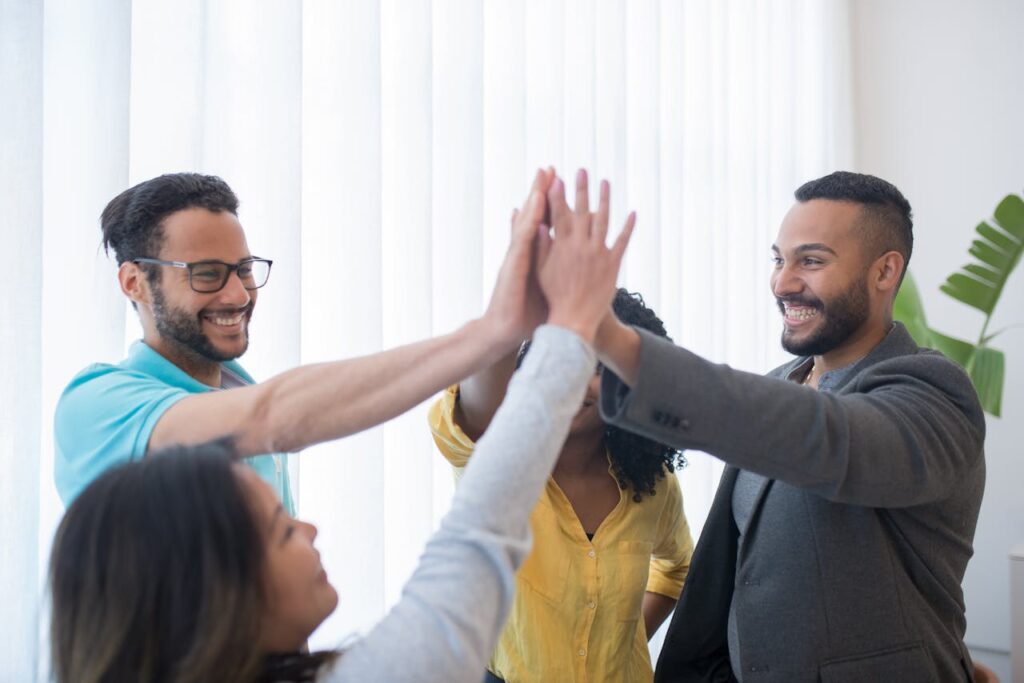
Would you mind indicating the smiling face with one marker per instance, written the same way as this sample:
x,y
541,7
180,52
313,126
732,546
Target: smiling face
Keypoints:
x,y
821,278
298,595
186,326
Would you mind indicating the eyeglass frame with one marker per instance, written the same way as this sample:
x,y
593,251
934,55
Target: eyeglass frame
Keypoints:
x,y
231,268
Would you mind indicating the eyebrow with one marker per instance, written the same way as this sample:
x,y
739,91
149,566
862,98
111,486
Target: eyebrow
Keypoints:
x,y
814,246
278,511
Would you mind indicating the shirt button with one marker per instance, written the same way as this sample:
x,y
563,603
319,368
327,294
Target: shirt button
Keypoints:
x,y
591,604
591,554
582,652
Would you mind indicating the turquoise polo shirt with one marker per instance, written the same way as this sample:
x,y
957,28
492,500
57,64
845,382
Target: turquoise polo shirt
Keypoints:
x,y
107,413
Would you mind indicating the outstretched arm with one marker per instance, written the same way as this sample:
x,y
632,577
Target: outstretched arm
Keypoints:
x,y
454,606
316,403
480,394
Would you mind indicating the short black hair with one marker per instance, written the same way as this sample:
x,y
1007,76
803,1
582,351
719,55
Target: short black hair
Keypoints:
x,y
888,224
132,221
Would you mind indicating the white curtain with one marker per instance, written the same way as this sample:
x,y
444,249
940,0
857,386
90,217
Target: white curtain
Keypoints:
x,y
378,148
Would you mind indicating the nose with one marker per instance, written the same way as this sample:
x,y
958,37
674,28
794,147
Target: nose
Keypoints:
x,y
234,292
311,530
784,282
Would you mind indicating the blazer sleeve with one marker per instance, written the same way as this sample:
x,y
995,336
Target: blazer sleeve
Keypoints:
x,y
905,435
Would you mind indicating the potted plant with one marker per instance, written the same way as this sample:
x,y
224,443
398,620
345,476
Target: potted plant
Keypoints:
x,y
997,248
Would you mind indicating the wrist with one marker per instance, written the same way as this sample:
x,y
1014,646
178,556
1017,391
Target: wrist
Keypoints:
x,y
584,329
608,331
492,335
618,347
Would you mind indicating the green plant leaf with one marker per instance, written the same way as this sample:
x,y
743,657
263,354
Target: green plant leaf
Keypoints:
x,y
1010,214
998,248
909,310
997,237
987,369
970,291
957,350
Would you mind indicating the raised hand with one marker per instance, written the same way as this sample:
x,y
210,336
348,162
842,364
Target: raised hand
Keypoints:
x,y
515,308
577,272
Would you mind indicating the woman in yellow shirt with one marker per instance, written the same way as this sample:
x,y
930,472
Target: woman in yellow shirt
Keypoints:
x,y
611,543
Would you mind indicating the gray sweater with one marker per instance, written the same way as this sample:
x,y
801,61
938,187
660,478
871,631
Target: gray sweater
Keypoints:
x,y
452,610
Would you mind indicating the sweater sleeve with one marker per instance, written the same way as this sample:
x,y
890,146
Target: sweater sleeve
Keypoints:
x,y
450,615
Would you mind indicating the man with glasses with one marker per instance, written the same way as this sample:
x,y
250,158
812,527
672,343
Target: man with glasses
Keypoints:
x,y
186,267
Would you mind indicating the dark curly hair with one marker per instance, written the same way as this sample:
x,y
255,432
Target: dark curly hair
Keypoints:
x,y
637,462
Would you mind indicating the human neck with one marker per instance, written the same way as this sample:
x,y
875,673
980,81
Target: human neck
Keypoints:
x,y
858,345
582,455
198,367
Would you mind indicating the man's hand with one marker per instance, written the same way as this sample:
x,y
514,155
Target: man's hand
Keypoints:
x,y
577,272
516,308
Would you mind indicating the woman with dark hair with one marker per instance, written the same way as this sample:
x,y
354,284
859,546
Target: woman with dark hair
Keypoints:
x,y
611,543
185,568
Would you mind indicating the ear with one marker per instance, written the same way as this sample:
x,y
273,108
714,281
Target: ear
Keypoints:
x,y
887,270
134,283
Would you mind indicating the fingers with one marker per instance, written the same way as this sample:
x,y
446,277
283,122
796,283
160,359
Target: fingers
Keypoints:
x,y
542,180
534,209
582,205
600,222
525,222
543,244
622,241
560,213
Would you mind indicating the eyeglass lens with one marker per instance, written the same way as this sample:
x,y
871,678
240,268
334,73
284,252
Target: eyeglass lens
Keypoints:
x,y
210,277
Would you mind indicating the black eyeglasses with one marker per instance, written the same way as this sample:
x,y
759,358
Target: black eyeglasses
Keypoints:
x,y
207,277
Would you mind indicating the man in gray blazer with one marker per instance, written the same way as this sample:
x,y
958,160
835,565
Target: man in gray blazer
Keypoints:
x,y
842,526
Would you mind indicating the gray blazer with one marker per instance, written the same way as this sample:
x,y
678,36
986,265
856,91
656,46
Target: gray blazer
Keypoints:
x,y
851,566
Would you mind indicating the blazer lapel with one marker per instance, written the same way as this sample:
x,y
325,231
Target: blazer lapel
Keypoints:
x,y
696,646
755,511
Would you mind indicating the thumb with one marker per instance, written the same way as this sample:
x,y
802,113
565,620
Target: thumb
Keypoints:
x,y
622,241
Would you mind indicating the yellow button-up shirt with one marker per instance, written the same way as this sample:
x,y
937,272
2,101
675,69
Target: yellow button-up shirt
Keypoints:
x,y
577,610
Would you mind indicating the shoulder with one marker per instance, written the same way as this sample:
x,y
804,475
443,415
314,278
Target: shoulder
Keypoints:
x,y
668,496
926,382
922,369
105,397
104,383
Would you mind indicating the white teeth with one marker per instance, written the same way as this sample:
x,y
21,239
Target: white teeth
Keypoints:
x,y
800,313
226,321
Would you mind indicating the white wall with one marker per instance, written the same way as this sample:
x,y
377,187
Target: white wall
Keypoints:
x,y
939,104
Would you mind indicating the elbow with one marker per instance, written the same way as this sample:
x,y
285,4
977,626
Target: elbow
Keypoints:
x,y
262,425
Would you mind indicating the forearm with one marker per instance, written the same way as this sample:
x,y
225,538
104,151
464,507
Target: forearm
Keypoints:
x,y
324,401
656,609
327,401
481,394
618,348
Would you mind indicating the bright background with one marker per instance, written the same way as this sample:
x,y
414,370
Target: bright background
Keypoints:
x,y
378,148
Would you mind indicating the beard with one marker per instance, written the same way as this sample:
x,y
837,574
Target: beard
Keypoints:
x,y
841,317
186,330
